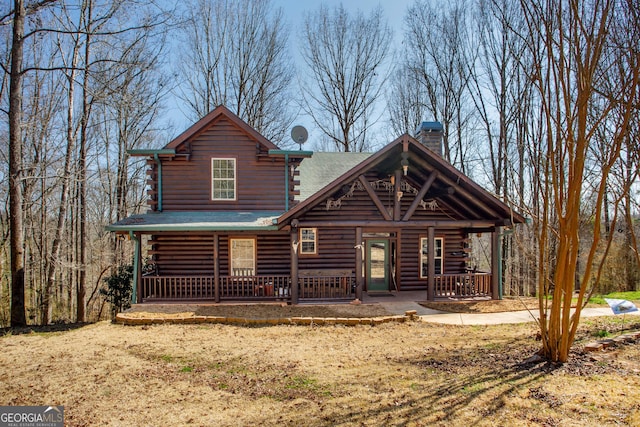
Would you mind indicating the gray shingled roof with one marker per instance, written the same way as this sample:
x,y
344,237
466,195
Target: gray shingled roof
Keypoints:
x,y
323,168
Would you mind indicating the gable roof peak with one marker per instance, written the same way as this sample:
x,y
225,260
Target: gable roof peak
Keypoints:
x,y
422,162
209,119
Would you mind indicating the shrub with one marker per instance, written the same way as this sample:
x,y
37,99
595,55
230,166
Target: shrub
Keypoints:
x,y
119,289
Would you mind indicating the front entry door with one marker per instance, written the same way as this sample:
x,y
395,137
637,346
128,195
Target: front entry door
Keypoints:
x,y
378,265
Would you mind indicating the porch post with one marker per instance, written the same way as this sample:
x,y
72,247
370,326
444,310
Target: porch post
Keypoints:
x,y
358,270
293,234
136,295
216,267
431,261
496,274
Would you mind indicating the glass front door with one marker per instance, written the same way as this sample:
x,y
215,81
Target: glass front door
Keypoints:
x,y
377,265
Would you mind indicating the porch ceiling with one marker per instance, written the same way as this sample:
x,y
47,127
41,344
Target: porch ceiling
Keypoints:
x,y
198,221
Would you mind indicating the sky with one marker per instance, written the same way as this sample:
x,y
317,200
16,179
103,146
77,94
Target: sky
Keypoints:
x,y
295,10
393,9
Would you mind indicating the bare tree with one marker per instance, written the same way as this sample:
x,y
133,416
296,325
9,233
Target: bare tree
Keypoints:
x,y
574,45
493,82
235,53
629,176
500,92
16,75
72,68
346,57
126,119
87,34
438,46
622,271
405,101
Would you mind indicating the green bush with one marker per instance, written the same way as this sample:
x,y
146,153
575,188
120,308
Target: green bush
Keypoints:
x,y
119,289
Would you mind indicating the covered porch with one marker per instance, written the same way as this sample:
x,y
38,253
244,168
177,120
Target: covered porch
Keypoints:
x,y
294,282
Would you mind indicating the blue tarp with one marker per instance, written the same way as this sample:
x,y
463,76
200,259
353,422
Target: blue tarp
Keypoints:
x,y
621,306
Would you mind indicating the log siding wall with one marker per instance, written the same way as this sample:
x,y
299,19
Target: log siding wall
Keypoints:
x,y
410,256
335,250
187,179
186,254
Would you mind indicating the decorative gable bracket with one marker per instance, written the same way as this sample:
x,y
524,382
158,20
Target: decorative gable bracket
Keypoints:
x,y
405,187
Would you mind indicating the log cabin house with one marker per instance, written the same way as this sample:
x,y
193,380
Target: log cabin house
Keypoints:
x,y
231,217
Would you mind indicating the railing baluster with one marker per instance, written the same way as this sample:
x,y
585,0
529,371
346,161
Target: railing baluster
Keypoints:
x,y
462,285
279,286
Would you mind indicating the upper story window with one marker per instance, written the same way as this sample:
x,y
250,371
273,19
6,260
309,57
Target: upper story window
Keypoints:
x,y
308,241
438,256
223,179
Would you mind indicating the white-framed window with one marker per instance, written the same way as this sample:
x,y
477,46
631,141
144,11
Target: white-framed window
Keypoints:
x,y
223,179
308,241
242,257
438,255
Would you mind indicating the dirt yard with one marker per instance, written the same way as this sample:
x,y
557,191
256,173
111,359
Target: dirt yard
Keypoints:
x,y
265,311
397,374
275,311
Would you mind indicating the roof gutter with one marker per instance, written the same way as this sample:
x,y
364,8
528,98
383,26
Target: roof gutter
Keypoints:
x,y
293,153
155,228
151,152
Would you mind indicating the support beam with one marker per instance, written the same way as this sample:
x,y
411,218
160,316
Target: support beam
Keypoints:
x,y
398,259
293,235
136,294
472,224
420,196
431,264
359,248
140,263
374,197
487,211
496,264
216,267
397,200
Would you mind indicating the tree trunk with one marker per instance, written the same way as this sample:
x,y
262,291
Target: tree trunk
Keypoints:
x,y
18,317
82,175
54,258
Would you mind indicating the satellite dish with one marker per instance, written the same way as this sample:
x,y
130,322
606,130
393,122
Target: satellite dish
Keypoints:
x,y
299,134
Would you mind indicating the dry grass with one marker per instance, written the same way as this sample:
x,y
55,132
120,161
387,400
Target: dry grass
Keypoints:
x,y
413,374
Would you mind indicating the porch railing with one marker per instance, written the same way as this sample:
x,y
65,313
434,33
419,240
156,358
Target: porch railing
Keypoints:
x,y
313,285
327,284
203,287
238,287
463,285
176,287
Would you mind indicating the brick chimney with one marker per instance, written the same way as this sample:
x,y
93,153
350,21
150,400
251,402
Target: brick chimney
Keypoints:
x,y
429,134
